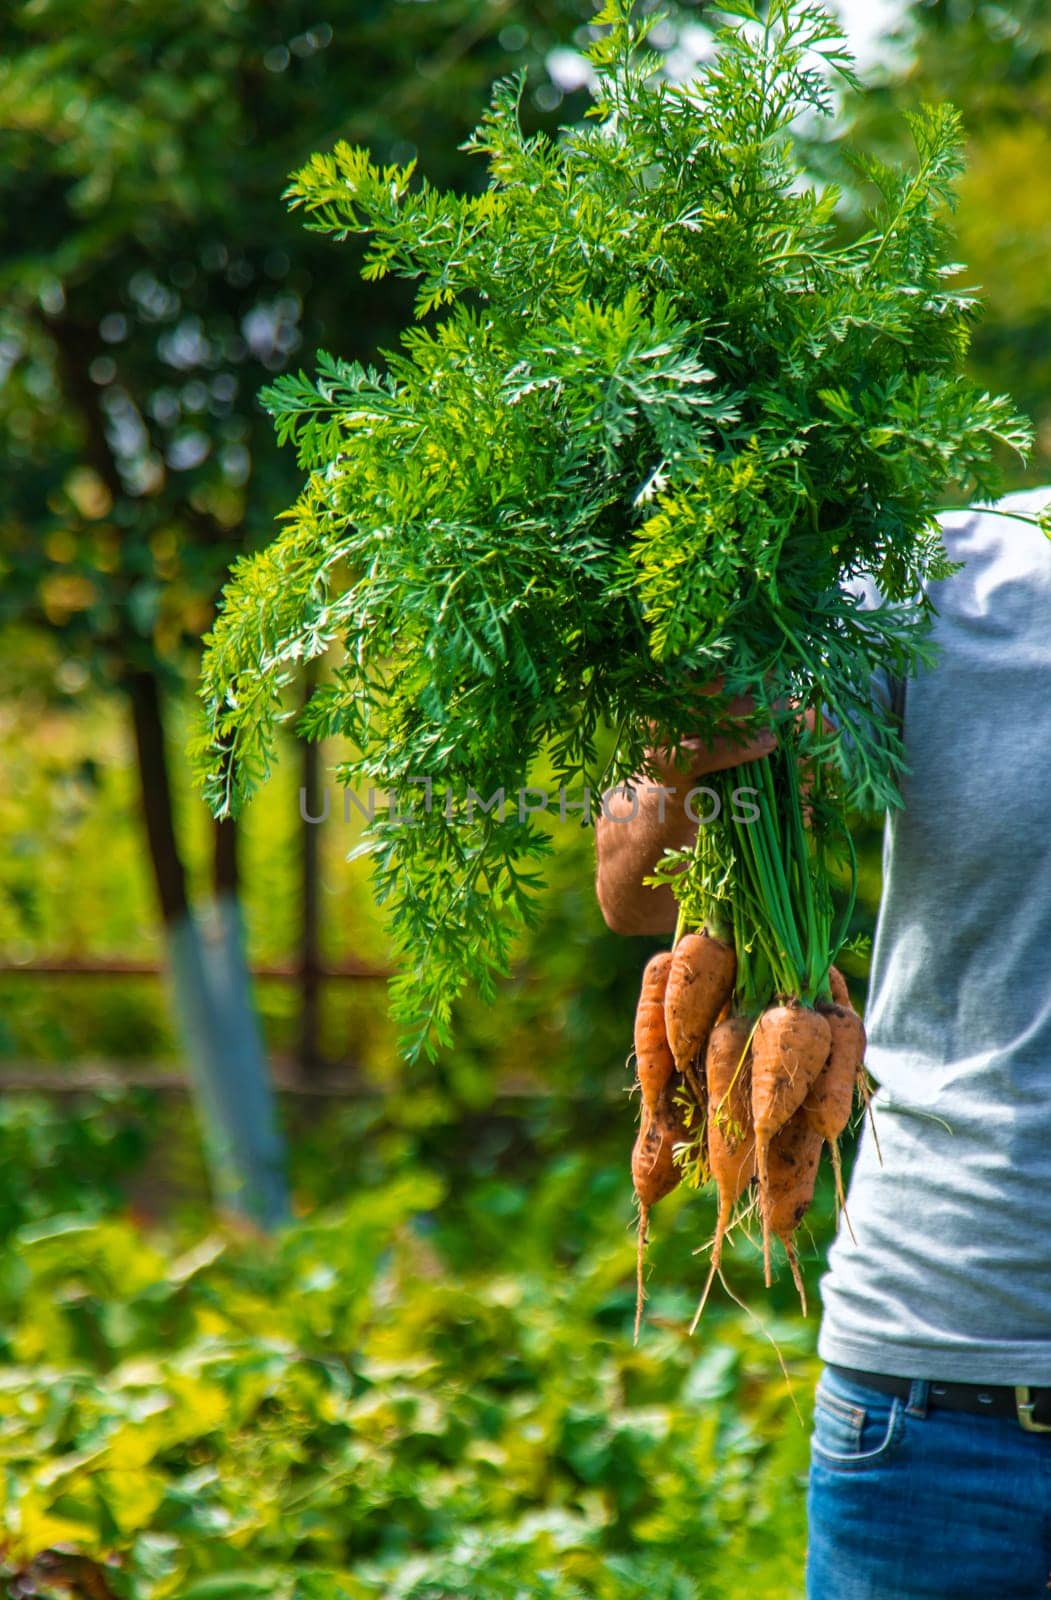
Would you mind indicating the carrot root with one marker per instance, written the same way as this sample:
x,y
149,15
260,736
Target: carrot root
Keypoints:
x,y
841,1198
866,1095
789,1049
762,1167
695,1086
731,1140
654,1064
797,1276
838,985
793,1157
699,985
703,1301
830,1098
640,1258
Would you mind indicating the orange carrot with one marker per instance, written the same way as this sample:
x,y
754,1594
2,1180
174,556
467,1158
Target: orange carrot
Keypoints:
x,y
654,1172
792,1164
828,1105
838,984
653,1058
731,1137
831,1096
699,984
841,997
789,1048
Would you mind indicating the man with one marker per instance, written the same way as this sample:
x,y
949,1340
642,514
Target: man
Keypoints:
x,y
931,1472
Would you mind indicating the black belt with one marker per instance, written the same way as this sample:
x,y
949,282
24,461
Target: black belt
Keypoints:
x,y
1030,1407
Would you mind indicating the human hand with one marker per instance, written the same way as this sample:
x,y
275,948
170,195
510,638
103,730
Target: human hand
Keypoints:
x,y
730,749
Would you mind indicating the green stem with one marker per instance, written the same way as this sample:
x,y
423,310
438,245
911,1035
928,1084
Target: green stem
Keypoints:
x,y
836,943
769,840
769,888
743,982
810,923
995,511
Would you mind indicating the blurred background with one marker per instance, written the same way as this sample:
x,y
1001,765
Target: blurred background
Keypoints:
x,y
277,1316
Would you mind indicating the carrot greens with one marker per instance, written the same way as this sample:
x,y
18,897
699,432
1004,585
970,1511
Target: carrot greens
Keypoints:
x,y
657,408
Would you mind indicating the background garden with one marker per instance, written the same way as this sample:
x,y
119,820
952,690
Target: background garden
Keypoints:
x,y
407,1370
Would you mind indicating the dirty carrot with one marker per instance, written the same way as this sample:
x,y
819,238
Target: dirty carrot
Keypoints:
x,y
828,1105
731,1137
699,984
792,1163
654,1171
838,984
789,1049
654,1063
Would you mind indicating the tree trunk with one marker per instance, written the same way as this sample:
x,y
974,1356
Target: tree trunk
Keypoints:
x,y
309,937
212,997
212,993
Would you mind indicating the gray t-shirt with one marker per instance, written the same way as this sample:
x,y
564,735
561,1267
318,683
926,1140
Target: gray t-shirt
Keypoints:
x,y
951,1273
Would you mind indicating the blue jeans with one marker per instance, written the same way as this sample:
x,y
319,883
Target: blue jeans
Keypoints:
x,y
906,1502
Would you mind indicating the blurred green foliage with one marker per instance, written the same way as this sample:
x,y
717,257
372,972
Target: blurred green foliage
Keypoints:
x,y
994,63
80,1161
150,279
427,1388
73,882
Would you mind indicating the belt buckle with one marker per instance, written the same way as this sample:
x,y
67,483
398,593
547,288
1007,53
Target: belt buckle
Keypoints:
x,y
1025,1407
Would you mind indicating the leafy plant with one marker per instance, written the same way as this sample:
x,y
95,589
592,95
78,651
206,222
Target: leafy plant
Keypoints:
x,y
80,1156
655,409
425,1389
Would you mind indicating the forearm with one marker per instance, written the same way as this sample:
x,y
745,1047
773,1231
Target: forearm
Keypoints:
x,y
637,825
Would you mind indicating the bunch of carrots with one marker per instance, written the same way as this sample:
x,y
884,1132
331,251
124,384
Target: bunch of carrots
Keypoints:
x,y
748,1052
759,1095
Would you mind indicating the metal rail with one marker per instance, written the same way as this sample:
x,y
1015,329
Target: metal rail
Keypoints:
x,y
117,967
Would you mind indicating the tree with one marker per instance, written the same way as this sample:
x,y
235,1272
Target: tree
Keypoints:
x,y
151,281
994,64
